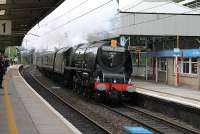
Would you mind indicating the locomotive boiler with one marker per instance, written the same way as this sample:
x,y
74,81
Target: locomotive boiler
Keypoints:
x,y
102,70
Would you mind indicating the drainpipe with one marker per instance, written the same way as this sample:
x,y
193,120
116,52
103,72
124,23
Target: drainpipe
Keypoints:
x,y
156,69
177,64
198,71
146,68
166,80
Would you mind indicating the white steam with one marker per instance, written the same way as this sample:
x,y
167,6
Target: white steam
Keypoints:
x,y
60,28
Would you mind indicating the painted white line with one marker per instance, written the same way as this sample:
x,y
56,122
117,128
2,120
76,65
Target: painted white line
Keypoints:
x,y
66,122
16,76
55,87
192,104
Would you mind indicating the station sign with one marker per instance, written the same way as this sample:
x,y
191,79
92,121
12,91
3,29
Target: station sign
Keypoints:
x,y
166,53
177,52
136,48
5,27
111,49
124,40
191,53
113,43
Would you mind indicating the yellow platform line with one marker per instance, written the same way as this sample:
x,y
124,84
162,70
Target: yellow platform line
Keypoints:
x,y
9,110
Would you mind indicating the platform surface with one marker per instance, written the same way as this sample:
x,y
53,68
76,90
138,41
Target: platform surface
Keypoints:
x,y
182,95
23,111
3,121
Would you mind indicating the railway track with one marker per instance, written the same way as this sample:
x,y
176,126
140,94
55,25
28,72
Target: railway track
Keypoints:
x,y
141,117
171,122
154,122
76,117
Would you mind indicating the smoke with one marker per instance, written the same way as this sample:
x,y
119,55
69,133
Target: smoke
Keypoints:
x,y
74,22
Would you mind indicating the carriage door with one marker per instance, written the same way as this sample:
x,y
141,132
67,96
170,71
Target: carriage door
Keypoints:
x,y
139,64
161,69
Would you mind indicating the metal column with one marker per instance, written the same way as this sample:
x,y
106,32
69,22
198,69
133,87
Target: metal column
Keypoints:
x,y
156,69
146,73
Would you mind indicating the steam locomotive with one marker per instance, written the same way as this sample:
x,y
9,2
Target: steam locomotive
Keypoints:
x,y
95,69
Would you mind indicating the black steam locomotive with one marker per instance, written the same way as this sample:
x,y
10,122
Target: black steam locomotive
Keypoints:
x,y
94,69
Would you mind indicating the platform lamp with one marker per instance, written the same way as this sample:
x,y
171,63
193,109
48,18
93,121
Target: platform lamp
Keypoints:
x,y
18,54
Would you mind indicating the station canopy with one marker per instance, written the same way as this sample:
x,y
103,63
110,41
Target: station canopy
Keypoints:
x,y
17,17
187,1
157,17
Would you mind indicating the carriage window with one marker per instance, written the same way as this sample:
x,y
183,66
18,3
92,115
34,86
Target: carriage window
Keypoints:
x,y
68,57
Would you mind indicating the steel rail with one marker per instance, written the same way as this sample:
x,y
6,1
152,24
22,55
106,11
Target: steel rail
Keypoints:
x,y
138,121
173,124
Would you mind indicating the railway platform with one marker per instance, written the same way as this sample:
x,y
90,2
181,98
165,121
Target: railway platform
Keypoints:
x,y
23,111
182,95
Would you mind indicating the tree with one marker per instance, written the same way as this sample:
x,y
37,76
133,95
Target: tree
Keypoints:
x,y
11,52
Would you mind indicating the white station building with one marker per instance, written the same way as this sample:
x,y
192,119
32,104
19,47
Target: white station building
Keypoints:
x,y
164,39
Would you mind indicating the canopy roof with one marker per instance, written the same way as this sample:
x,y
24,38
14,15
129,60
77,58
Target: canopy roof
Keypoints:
x,y
154,6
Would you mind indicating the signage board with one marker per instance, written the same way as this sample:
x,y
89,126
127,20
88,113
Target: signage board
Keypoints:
x,y
191,53
111,49
165,53
113,43
177,52
124,41
131,48
5,27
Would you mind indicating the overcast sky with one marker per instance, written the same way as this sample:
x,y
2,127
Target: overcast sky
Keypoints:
x,y
62,27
